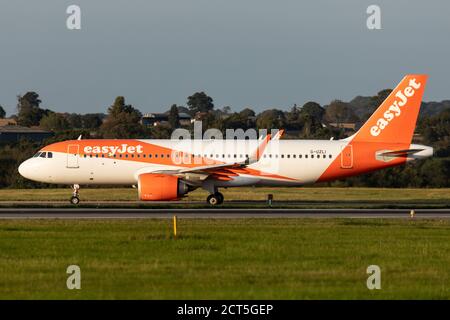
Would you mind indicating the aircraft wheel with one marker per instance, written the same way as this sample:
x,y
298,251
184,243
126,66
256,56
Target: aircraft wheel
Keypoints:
x,y
219,197
213,199
74,200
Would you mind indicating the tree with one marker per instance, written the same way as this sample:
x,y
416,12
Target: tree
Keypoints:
x,y
54,122
200,102
92,120
123,121
29,113
314,110
247,113
374,103
174,118
339,112
74,120
226,110
242,120
2,112
271,119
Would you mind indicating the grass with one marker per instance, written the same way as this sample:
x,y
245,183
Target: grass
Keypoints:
x,y
225,258
310,196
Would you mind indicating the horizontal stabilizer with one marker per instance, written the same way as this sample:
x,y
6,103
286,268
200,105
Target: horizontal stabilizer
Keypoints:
x,y
400,153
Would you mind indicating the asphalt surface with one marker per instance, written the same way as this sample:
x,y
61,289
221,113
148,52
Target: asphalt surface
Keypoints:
x,y
86,213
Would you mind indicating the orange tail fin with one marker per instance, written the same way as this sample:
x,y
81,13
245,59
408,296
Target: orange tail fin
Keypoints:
x,y
395,119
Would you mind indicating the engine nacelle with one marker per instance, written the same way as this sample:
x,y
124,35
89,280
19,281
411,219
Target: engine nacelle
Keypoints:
x,y
160,187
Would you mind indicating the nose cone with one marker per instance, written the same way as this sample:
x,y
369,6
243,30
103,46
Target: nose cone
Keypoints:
x,y
24,169
29,169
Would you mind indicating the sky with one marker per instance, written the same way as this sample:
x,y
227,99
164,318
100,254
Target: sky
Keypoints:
x,y
243,53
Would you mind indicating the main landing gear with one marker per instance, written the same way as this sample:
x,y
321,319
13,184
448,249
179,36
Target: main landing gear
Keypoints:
x,y
215,198
75,199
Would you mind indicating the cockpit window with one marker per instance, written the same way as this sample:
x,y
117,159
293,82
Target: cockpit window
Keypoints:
x,y
43,154
49,154
37,155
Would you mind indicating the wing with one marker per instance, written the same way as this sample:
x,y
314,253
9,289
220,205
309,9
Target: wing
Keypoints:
x,y
222,171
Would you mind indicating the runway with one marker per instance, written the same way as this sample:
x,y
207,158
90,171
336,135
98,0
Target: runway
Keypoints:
x,y
43,213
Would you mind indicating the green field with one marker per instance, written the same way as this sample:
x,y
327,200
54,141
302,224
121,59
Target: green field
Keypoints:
x,y
225,258
311,197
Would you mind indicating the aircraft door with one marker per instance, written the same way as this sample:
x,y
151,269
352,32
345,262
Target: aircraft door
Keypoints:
x,y
347,157
72,155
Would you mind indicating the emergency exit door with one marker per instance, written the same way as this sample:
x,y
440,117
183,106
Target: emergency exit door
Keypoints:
x,y
347,157
72,155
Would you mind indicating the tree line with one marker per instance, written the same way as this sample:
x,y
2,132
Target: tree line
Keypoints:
x,y
309,121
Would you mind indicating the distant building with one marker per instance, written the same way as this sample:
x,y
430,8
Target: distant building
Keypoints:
x,y
156,119
14,133
7,121
344,125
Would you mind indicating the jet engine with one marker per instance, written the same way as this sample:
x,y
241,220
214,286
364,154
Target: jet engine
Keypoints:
x,y
160,187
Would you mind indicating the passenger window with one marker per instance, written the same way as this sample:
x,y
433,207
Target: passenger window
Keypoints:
x,y
330,156
306,156
312,156
50,155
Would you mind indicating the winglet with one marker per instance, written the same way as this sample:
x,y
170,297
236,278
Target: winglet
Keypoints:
x,y
260,149
278,135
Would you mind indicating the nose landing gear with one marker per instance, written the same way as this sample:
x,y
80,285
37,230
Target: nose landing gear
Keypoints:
x,y
75,199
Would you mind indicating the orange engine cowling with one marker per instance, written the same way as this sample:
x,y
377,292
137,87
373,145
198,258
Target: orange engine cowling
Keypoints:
x,y
154,187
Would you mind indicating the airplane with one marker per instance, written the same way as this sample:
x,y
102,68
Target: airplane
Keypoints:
x,y
169,169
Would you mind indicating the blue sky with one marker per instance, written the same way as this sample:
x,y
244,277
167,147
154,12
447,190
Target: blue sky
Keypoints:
x,y
255,53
